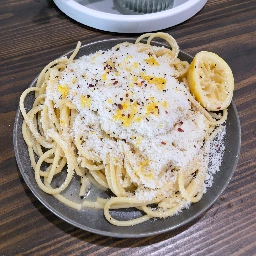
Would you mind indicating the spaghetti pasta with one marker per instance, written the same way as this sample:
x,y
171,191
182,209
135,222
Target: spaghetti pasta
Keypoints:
x,y
123,120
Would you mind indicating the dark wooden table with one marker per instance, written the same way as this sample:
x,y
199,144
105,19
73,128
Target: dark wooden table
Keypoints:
x,y
32,33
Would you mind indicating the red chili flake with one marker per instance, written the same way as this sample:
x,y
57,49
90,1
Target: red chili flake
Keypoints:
x,y
91,85
180,130
120,106
109,67
126,94
113,79
217,145
194,146
115,82
181,123
164,143
218,107
123,114
156,106
166,112
128,115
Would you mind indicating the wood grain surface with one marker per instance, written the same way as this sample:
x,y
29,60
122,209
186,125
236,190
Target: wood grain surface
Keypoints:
x,y
32,33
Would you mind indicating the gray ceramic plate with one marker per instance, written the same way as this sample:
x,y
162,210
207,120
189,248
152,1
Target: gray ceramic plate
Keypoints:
x,y
93,220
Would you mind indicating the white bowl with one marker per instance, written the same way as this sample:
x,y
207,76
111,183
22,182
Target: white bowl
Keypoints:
x,y
105,15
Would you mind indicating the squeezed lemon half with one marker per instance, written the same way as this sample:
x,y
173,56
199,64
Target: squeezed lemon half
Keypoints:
x,y
211,81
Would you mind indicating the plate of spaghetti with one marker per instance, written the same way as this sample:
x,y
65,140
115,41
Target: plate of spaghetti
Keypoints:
x,y
110,138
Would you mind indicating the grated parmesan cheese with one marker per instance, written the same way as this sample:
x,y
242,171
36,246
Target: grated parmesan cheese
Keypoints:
x,y
129,100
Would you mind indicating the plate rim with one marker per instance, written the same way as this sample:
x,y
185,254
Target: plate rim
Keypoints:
x,y
106,233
